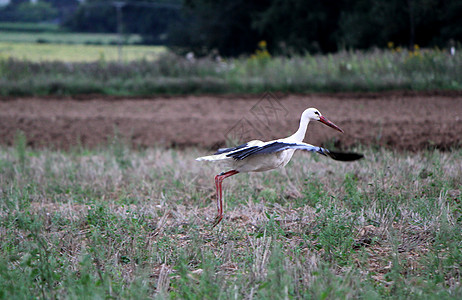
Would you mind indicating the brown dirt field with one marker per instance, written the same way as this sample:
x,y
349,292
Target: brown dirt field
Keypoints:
x,y
401,120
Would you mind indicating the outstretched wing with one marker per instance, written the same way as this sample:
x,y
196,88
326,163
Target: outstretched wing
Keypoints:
x,y
226,150
243,152
272,147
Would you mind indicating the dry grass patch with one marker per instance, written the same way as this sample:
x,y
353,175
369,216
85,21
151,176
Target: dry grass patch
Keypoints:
x,y
115,222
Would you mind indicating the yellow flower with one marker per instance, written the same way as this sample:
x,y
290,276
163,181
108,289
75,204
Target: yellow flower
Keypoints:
x,y
262,44
390,45
416,47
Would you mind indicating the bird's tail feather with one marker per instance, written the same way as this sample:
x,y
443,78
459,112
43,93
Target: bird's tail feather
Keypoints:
x,y
212,157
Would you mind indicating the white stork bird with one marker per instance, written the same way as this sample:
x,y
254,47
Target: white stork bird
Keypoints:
x,y
258,156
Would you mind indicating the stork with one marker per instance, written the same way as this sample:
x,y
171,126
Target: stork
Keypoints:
x,y
258,156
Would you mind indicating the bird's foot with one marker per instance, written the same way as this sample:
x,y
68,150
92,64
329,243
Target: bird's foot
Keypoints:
x,y
218,219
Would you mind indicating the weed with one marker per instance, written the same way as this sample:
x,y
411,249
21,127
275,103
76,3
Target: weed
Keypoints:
x,y
20,141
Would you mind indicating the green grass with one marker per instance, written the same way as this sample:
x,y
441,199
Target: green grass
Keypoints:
x,y
52,33
29,27
41,59
43,53
66,38
115,222
49,69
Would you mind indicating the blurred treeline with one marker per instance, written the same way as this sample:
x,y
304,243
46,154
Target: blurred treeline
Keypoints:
x,y
234,27
296,26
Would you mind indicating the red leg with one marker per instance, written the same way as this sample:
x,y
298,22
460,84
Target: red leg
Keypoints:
x,y
218,181
219,200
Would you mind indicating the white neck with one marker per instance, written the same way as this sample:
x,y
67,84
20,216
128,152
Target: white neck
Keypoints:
x,y
299,136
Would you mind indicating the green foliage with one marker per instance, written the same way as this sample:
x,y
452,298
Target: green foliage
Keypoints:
x,y
334,235
150,19
313,192
120,151
299,26
209,26
35,12
278,283
20,145
93,17
234,27
29,27
353,197
420,69
26,11
429,23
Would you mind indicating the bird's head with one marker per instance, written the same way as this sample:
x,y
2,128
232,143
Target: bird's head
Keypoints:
x,y
314,114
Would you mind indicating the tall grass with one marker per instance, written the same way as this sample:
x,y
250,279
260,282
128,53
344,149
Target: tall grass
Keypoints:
x,y
376,70
118,223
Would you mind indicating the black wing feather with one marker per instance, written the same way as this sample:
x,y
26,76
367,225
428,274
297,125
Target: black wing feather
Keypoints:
x,y
344,156
269,148
243,152
226,150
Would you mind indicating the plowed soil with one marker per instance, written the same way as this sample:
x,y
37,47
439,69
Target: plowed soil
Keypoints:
x,y
401,120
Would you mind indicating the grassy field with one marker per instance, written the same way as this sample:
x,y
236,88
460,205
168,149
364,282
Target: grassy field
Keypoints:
x,y
66,38
52,33
42,59
121,223
36,42
44,69
29,27
32,52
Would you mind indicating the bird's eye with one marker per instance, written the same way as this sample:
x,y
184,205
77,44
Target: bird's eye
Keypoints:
x,y
316,113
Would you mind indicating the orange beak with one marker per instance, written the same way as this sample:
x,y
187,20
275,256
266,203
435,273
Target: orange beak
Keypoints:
x,y
322,119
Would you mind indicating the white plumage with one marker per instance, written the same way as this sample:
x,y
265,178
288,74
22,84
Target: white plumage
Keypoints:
x,y
254,163
258,156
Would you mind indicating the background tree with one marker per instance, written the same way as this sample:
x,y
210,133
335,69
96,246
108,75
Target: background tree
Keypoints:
x,y
294,26
93,16
234,27
222,25
375,23
40,11
300,25
35,12
449,28
151,19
